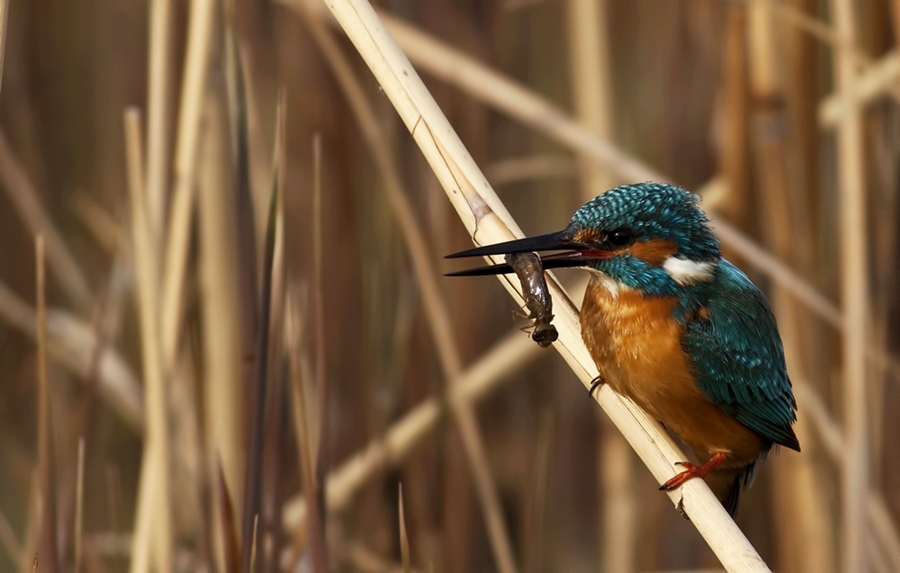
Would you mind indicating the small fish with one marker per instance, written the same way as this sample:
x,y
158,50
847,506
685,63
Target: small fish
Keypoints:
x,y
530,271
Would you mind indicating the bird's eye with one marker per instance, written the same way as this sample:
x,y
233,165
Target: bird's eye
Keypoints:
x,y
619,237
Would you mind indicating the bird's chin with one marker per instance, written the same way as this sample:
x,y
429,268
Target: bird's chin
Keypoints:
x,y
611,285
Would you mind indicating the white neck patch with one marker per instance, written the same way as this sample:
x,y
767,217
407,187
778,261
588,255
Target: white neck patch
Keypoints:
x,y
687,272
612,286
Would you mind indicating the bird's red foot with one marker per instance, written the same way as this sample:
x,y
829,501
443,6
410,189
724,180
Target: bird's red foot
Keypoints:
x,y
692,471
596,383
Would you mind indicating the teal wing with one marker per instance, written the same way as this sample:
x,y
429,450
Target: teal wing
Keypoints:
x,y
738,359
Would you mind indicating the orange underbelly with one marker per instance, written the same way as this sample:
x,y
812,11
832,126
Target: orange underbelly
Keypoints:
x,y
636,345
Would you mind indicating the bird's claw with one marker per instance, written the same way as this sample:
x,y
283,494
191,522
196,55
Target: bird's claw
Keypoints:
x,y
596,383
692,471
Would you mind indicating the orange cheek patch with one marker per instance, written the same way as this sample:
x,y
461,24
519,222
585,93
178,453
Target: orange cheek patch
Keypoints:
x,y
585,236
653,252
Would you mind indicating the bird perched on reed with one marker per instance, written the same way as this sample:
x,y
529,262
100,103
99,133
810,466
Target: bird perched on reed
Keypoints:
x,y
676,328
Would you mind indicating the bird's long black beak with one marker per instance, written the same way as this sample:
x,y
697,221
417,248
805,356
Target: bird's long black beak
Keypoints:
x,y
578,254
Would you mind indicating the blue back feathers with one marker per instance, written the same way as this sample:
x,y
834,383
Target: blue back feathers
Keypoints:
x,y
737,356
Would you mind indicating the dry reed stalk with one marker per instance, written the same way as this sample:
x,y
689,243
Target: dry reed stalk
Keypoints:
x,y
884,249
801,520
187,476
591,80
801,494
253,483
177,246
153,520
223,393
828,430
158,111
244,206
72,343
854,296
436,312
230,558
734,138
4,21
801,80
251,566
319,442
874,82
101,224
79,507
46,466
404,539
515,351
273,496
311,490
488,221
802,21
26,199
517,169
245,235
316,439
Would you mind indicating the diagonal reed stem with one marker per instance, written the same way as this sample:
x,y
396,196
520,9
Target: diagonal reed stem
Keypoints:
x,y
26,200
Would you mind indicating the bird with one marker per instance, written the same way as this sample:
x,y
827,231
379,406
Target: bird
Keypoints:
x,y
675,327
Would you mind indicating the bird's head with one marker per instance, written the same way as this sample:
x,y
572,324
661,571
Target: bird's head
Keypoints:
x,y
649,236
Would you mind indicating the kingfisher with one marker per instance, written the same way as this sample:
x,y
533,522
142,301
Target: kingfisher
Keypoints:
x,y
675,327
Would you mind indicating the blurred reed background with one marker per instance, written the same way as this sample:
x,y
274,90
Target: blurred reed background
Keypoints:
x,y
243,249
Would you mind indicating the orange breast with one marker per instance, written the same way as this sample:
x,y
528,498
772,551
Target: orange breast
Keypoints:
x,y
636,344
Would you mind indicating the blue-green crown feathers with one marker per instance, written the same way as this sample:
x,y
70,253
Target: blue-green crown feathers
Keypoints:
x,y
653,211
647,212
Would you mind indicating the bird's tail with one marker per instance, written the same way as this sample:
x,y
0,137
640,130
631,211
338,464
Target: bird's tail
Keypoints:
x,y
728,483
